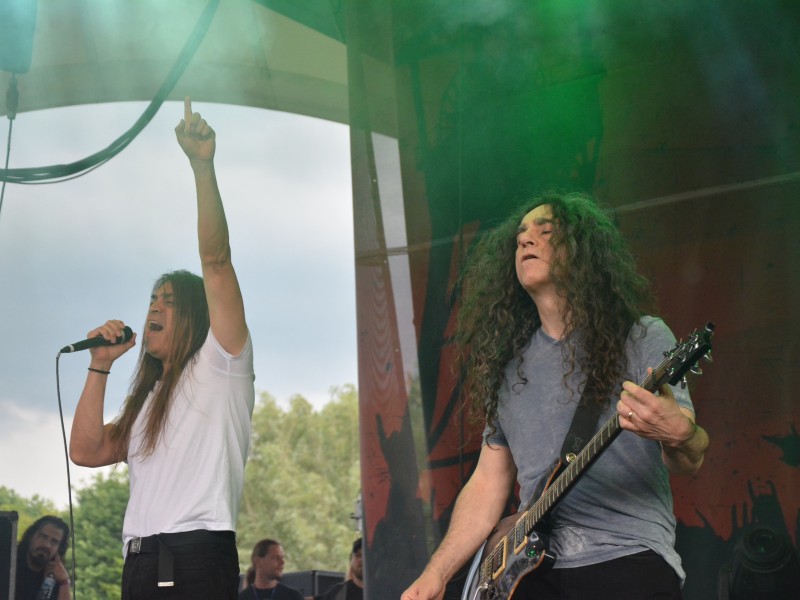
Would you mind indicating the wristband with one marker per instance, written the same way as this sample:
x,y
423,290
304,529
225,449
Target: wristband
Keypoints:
x,y
100,371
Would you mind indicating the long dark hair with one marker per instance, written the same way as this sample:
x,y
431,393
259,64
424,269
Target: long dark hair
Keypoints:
x,y
25,542
191,324
593,270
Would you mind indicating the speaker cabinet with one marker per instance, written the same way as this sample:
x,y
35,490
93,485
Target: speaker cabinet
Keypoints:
x,y
8,554
312,583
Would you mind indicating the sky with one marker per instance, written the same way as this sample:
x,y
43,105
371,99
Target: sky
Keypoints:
x,y
77,253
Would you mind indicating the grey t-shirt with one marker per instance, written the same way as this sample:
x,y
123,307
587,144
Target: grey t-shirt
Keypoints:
x,y
623,503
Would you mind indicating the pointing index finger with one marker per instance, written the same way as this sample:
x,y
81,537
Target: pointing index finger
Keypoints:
x,y
187,112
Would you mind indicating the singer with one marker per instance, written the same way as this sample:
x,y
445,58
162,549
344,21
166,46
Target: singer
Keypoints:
x,y
184,429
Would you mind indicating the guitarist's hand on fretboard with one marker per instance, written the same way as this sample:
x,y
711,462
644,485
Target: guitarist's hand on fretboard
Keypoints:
x,y
655,417
659,417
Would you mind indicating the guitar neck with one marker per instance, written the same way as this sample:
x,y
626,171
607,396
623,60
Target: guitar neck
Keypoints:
x,y
607,433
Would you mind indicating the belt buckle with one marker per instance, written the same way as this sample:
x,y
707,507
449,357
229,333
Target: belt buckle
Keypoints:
x,y
136,545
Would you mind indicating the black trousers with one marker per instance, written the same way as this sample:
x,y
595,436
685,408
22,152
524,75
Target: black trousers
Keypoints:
x,y
642,576
207,567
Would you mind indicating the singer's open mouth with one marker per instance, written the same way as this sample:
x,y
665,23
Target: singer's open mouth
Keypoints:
x,y
153,326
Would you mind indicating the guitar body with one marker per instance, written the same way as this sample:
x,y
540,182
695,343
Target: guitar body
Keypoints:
x,y
530,554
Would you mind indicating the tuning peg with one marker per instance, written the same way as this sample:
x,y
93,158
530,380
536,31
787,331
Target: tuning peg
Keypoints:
x,y
684,383
709,358
696,370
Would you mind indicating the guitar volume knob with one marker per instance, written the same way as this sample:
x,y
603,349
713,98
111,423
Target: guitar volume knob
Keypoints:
x,y
531,551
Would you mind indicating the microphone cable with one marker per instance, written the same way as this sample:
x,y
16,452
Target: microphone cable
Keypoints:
x,y
12,103
59,173
69,479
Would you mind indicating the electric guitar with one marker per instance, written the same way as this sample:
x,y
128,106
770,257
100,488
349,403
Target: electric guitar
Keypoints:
x,y
515,548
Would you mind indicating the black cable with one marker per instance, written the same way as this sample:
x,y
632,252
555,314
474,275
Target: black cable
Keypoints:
x,y
12,103
8,153
69,480
58,173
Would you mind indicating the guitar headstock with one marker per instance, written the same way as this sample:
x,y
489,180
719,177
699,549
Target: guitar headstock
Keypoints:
x,y
682,359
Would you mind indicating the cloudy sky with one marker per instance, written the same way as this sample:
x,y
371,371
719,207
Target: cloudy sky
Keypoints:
x,y
77,253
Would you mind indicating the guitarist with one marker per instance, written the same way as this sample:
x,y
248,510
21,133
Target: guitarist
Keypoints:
x,y
551,299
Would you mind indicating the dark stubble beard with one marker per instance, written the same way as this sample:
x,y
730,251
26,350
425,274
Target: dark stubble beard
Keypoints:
x,y
40,559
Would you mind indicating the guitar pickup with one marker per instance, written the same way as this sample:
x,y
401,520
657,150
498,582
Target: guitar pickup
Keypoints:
x,y
499,559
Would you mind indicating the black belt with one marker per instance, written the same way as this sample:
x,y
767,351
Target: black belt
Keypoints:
x,y
161,543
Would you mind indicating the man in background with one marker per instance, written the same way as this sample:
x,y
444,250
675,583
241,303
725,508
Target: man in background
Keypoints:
x,y
353,587
41,553
263,576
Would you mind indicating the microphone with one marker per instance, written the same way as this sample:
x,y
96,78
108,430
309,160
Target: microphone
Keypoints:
x,y
94,342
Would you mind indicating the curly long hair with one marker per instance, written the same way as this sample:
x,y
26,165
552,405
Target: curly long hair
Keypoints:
x,y
594,272
191,324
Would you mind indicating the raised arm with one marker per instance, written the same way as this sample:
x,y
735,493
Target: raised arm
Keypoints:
x,y
478,509
225,305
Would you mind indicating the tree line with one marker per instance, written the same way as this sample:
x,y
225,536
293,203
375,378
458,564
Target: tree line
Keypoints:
x,y
302,480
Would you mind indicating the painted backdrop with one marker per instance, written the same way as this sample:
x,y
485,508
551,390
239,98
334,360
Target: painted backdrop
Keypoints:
x,y
683,118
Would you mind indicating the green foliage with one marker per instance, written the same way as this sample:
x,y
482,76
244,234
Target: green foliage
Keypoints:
x,y
29,509
302,480
98,536
98,514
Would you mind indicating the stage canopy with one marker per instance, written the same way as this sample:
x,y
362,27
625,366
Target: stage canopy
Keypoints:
x,y
279,55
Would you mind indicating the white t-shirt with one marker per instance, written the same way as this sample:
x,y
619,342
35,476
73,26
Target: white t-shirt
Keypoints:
x,y
194,478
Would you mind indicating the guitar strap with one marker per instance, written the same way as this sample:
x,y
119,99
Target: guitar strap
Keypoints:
x,y
583,425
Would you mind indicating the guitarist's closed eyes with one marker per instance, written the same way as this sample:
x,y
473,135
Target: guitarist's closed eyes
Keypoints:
x,y
553,314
